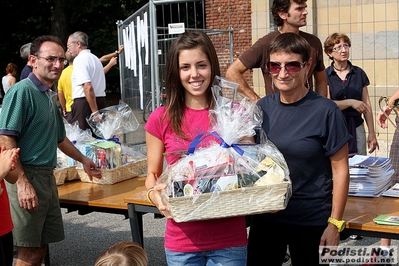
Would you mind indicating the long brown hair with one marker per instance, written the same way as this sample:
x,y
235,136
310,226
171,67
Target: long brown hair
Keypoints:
x,y
174,89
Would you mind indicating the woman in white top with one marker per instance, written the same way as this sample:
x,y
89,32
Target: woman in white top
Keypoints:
x,y
9,79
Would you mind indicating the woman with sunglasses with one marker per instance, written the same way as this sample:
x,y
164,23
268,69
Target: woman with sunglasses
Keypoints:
x,y
348,89
310,131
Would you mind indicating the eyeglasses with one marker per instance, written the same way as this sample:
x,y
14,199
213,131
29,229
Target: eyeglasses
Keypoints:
x,y
53,59
69,45
341,47
291,67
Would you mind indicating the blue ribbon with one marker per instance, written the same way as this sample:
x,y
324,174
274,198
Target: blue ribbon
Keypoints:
x,y
200,137
114,139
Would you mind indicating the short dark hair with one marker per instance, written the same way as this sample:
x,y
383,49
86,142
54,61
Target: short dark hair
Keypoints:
x,y
290,43
282,6
37,43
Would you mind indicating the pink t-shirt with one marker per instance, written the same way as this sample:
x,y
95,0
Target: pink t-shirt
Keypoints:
x,y
199,235
5,214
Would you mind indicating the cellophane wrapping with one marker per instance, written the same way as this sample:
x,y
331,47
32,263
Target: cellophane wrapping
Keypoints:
x,y
109,124
113,121
229,163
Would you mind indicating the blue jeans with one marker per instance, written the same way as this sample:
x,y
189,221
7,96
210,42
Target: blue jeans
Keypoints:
x,y
234,256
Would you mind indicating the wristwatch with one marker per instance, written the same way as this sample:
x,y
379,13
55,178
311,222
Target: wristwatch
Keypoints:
x,y
340,224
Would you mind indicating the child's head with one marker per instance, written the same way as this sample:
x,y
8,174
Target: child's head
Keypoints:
x,y
123,254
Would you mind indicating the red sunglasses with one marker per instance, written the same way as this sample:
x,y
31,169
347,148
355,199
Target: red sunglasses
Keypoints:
x,y
291,67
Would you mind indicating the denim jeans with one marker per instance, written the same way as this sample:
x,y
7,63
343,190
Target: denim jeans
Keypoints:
x,y
234,256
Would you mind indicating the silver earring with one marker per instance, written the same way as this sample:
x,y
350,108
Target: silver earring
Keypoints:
x,y
307,81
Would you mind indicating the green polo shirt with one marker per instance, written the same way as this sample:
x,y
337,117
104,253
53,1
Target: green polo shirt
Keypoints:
x,y
30,114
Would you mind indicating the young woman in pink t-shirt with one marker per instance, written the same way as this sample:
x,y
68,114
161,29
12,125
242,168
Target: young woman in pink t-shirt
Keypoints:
x,y
191,65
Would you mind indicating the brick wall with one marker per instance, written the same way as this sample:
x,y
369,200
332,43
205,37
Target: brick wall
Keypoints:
x,y
223,14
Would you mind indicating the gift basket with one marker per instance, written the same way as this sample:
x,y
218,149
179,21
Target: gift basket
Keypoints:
x,y
117,161
66,166
229,176
60,175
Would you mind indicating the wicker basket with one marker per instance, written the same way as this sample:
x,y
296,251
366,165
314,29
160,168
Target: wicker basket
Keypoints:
x,y
238,202
72,174
121,173
60,174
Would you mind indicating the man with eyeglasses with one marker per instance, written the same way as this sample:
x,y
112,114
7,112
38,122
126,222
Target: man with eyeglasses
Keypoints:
x,y
289,16
31,121
88,80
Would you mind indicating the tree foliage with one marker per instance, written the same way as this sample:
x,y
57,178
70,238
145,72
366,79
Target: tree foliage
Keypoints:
x,y
28,19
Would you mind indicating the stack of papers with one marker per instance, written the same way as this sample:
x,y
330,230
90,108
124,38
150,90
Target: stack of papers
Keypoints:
x,y
392,192
387,219
369,176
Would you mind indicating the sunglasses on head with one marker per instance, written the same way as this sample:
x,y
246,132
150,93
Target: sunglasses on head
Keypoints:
x,y
291,67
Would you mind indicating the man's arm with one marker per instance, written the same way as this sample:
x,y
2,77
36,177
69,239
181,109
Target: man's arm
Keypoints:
x,y
235,73
61,99
107,57
26,193
90,96
110,64
321,82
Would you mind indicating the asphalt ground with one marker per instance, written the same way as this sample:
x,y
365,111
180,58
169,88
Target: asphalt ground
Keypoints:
x,y
87,236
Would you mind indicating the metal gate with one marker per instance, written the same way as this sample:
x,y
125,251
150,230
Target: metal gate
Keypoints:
x,y
146,37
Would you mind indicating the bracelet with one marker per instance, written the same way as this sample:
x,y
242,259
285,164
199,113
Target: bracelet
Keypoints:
x,y
116,52
151,189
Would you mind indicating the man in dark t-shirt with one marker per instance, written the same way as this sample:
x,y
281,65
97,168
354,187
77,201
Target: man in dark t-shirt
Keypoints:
x,y
289,16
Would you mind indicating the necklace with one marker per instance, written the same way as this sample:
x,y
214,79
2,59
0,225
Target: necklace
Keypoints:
x,y
342,69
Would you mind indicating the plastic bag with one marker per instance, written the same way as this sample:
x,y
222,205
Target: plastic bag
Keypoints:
x,y
130,154
200,185
113,120
235,116
77,135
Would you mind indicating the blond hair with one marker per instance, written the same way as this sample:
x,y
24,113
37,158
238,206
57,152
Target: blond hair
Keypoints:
x,y
123,254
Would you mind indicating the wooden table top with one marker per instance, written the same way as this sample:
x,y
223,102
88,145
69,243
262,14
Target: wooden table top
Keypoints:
x,y
106,196
360,212
140,195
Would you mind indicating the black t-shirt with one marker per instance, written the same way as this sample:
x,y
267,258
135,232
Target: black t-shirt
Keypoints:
x,y
307,133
